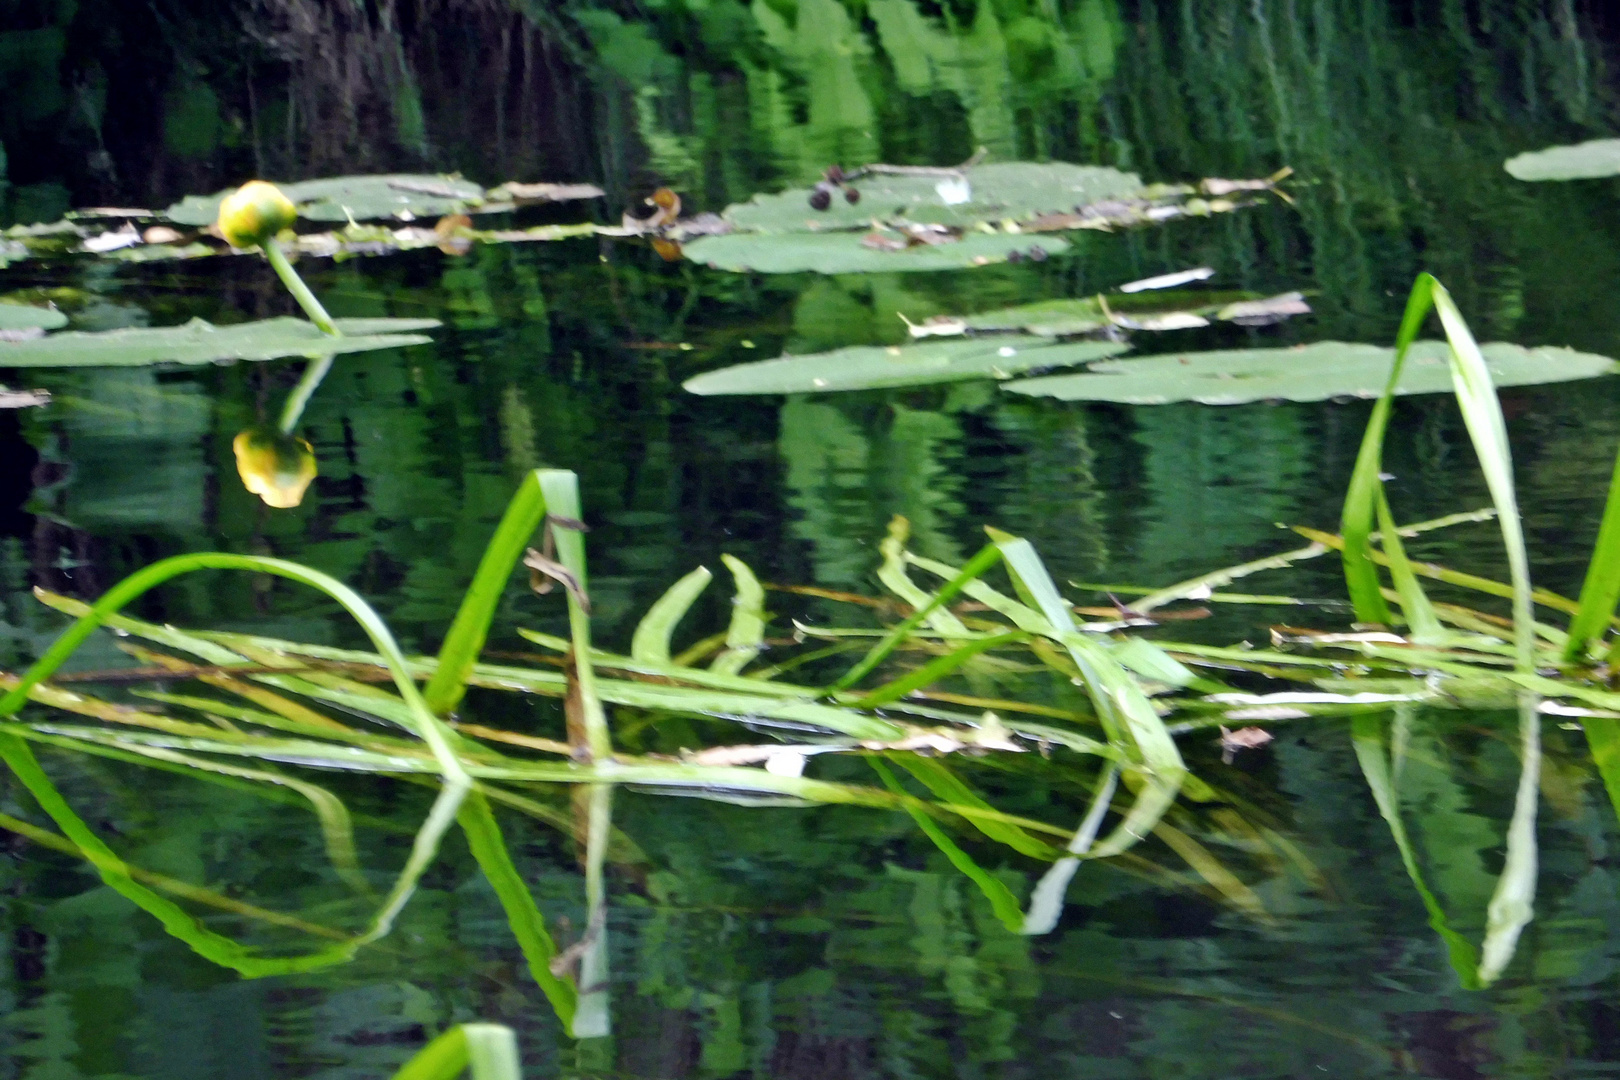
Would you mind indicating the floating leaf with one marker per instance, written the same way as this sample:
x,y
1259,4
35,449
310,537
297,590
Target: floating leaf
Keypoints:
x,y
23,399
342,198
199,342
870,366
1316,372
1168,281
1018,189
1582,161
24,317
1083,314
846,253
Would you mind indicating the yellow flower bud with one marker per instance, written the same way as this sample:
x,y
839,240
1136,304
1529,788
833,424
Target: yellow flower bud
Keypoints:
x,y
275,466
254,213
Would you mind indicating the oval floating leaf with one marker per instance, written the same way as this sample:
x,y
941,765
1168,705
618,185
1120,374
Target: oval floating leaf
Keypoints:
x,y
340,198
1015,189
845,252
199,342
1582,161
870,367
1316,372
26,317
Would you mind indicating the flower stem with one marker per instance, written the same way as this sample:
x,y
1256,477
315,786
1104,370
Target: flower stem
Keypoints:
x,y
295,285
314,372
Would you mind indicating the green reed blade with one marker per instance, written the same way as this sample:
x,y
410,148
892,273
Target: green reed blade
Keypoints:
x,y
987,557
1113,692
1603,739
1482,415
194,893
594,1019
1600,592
650,644
892,573
223,950
948,787
1415,605
934,670
1127,714
1002,901
470,628
1512,904
489,1051
746,634
528,925
1046,902
337,830
1368,739
561,490
1356,518
671,669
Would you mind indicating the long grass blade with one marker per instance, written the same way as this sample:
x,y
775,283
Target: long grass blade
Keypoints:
x,y
1482,414
1512,904
183,889
892,572
650,644
987,557
1420,616
1046,902
934,670
489,1051
1002,901
1368,739
223,950
522,915
470,628
1601,589
1360,501
593,1018
948,787
560,489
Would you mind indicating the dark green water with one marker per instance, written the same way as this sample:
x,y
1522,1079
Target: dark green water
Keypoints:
x,y
814,943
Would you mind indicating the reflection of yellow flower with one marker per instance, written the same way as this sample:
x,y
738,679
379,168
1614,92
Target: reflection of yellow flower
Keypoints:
x,y
274,466
255,212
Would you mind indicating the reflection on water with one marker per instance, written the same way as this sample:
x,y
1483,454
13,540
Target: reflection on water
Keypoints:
x,y
829,942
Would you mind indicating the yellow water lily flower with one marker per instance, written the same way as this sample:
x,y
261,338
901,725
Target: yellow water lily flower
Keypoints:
x,y
254,213
275,466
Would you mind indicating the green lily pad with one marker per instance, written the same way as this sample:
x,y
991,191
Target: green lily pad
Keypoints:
x,y
1327,369
1017,189
1582,161
27,317
845,253
869,367
340,198
199,342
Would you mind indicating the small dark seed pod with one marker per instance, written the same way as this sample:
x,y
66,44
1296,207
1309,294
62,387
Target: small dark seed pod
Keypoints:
x,y
820,197
835,174
1037,253
1015,256
852,195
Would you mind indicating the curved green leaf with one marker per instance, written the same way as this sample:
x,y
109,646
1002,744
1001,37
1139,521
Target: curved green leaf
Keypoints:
x,y
200,342
1582,161
847,252
340,198
28,317
867,367
1327,369
650,643
1014,189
